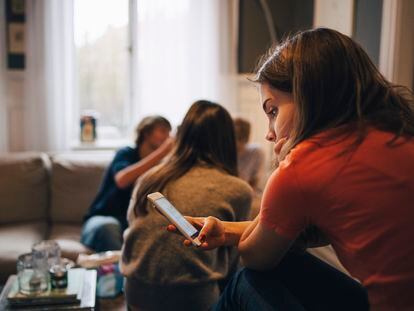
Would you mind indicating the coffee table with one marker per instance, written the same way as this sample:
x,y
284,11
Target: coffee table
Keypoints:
x,y
88,298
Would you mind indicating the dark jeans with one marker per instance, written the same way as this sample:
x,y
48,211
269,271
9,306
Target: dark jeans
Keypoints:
x,y
102,233
299,282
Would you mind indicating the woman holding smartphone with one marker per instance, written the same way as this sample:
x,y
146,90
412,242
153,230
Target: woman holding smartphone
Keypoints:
x,y
344,138
199,178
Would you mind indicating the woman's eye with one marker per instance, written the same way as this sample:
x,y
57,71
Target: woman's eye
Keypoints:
x,y
272,112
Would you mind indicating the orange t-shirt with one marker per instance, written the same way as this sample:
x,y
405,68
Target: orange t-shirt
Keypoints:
x,y
362,200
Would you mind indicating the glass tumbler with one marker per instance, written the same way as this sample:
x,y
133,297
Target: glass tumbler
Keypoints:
x,y
31,277
48,248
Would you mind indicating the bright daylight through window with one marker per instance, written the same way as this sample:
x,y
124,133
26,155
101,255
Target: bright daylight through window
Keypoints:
x,y
102,62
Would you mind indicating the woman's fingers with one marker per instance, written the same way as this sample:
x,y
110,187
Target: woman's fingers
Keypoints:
x,y
197,222
207,229
172,228
279,145
203,246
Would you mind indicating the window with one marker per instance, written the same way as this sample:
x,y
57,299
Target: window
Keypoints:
x,y
102,59
136,58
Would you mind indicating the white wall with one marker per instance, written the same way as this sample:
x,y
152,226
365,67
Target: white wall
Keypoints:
x,y
397,33
335,14
397,42
4,140
15,109
11,97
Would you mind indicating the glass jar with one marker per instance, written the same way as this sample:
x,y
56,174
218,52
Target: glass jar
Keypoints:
x,y
31,276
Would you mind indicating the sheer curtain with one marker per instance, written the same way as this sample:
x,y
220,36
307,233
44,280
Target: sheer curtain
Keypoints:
x,y
49,74
184,50
3,99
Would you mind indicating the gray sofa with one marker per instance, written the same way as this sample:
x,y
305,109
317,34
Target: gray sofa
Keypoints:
x,y
45,197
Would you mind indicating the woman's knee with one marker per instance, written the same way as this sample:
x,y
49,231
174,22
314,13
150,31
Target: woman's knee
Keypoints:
x,y
109,228
102,233
101,225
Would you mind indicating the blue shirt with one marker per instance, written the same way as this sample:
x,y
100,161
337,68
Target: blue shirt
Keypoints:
x,y
111,200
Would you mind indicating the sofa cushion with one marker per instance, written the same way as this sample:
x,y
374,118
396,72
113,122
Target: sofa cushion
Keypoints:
x,y
68,237
75,181
15,240
24,187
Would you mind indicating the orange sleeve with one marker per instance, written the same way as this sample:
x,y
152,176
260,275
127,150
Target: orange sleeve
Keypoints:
x,y
283,207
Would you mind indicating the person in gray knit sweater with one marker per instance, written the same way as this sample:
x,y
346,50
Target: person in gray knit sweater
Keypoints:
x,y
200,178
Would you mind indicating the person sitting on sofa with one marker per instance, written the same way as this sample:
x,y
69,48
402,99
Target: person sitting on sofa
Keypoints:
x,y
200,178
106,219
250,157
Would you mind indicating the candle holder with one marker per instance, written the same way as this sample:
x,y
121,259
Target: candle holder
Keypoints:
x,y
58,276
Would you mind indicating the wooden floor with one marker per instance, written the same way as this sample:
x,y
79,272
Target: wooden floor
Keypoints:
x,y
112,304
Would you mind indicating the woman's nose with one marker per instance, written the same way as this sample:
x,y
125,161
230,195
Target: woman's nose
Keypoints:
x,y
271,136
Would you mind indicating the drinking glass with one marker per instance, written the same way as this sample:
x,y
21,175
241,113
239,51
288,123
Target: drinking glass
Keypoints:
x,y
49,249
31,276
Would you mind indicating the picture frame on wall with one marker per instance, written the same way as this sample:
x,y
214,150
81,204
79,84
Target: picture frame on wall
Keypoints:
x,y
16,38
15,25
18,7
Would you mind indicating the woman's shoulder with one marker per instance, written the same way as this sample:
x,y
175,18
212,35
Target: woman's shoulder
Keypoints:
x,y
211,191
212,184
217,176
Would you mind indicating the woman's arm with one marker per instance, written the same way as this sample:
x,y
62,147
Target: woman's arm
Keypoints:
x,y
262,248
129,175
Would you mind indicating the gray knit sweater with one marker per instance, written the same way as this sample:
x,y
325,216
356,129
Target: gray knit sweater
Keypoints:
x,y
156,257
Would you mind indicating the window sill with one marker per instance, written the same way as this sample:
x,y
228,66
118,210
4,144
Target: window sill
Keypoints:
x,y
100,144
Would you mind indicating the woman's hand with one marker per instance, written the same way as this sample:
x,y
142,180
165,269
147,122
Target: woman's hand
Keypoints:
x,y
212,232
278,148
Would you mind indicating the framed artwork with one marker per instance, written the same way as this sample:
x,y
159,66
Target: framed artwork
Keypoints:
x,y
15,25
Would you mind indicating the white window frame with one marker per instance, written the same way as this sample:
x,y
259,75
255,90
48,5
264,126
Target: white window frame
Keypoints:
x,y
108,143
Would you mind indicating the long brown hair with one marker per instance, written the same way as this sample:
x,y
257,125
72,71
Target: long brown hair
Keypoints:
x,y
334,85
206,135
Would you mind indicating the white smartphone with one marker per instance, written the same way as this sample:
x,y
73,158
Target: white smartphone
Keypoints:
x,y
173,215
